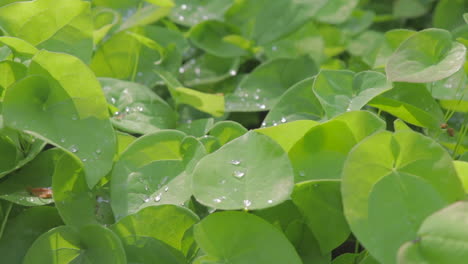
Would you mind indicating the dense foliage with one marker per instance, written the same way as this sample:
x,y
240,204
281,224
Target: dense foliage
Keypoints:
x,y
233,131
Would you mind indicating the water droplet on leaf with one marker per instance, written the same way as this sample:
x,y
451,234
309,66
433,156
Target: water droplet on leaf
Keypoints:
x,y
235,162
238,174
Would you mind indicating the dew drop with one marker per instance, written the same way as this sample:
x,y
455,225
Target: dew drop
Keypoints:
x,y
270,201
147,199
222,182
74,117
264,124
274,123
205,17
74,149
302,173
235,162
247,203
283,120
181,70
139,74
274,48
262,106
117,113
232,72
217,200
181,18
197,71
140,108
146,188
256,96
348,109
183,7
84,159
62,140
166,188
113,100
238,174
157,198
98,151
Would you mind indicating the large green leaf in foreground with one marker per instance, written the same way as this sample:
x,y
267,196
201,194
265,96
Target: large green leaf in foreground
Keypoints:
x,y
427,56
165,223
151,171
442,238
251,240
391,183
62,102
250,172
21,231
37,21
63,245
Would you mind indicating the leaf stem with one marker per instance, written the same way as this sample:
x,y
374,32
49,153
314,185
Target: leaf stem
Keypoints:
x,y
7,213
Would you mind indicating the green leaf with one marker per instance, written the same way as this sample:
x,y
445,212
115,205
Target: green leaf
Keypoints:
x,y
262,88
75,202
288,134
391,182
9,153
322,151
412,103
269,245
441,238
462,171
343,91
75,38
226,131
64,244
451,90
197,128
36,174
287,218
165,223
145,15
426,56
140,110
336,11
21,231
263,22
449,14
17,149
11,72
306,40
132,55
298,102
189,13
38,104
134,183
250,172
209,103
210,37
37,21
20,47
346,258
103,19
411,8
320,203
207,69
147,250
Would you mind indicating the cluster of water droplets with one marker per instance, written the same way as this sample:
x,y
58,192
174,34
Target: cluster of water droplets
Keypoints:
x,y
248,99
187,14
274,123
